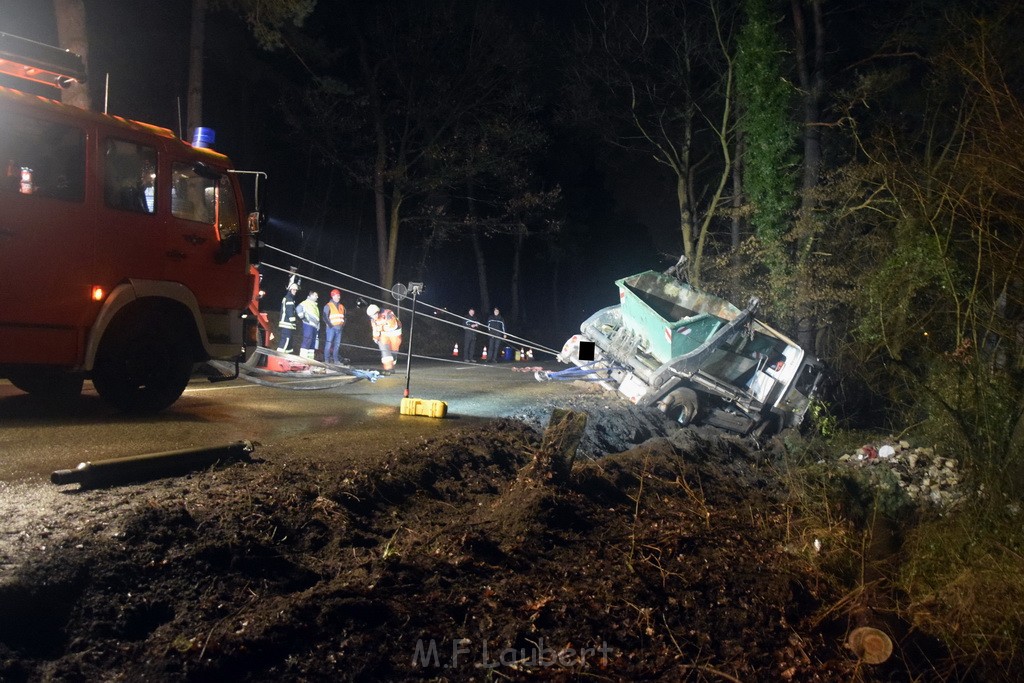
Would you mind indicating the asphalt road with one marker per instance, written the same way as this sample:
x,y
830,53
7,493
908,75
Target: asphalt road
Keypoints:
x,y
36,439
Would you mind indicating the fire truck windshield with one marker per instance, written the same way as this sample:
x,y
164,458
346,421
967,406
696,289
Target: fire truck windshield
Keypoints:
x,y
202,199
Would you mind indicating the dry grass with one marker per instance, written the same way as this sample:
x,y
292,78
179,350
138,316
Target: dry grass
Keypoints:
x,y
960,576
964,577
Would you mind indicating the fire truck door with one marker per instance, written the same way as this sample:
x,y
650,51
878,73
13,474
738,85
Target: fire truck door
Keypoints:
x,y
204,248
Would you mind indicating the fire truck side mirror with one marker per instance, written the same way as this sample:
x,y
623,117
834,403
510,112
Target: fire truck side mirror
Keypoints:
x,y
254,223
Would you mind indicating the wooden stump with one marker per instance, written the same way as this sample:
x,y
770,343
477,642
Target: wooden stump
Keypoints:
x,y
553,461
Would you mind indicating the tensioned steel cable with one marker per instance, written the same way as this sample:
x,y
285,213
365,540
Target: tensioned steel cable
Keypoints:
x,y
520,341
373,348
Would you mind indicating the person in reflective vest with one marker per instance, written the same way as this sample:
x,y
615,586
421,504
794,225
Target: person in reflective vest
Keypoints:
x,y
387,333
287,324
334,319
309,314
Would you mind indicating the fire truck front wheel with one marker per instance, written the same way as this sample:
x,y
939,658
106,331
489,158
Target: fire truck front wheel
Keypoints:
x,y
143,364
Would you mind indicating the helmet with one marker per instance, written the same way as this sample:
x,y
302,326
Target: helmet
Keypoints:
x,y
293,285
372,310
335,292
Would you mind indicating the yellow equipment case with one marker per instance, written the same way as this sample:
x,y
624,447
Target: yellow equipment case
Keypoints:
x,y
424,407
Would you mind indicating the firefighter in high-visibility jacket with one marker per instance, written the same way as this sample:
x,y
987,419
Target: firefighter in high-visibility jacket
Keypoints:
x,y
334,319
309,314
288,318
387,332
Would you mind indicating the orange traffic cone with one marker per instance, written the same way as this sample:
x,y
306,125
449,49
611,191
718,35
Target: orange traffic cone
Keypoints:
x,y
483,356
455,351
529,354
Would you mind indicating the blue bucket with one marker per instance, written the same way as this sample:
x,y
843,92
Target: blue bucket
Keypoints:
x,y
508,353
203,137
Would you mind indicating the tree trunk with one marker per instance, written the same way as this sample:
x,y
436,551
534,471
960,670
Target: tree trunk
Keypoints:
x,y
380,212
478,249
812,84
683,190
197,39
685,216
517,258
357,235
556,312
481,270
71,35
428,244
394,223
736,235
379,166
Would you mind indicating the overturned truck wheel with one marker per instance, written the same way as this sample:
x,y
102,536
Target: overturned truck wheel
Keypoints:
x,y
681,405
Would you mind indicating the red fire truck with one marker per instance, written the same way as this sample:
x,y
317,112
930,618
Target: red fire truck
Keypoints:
x,y
124,251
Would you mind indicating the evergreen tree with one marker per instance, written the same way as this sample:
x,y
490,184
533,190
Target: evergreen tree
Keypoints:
x,y
769,131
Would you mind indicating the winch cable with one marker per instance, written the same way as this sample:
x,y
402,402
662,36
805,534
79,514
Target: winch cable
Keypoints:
x,y
399,354
519,341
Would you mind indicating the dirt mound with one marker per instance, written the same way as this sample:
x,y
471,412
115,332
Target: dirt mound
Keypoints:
x,y
613,423
446,559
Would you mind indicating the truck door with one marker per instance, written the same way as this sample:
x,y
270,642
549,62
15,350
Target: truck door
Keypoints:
x,y
46,237
205,251
130,235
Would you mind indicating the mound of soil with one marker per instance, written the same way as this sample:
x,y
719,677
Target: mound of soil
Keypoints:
x,y
449,559
613,423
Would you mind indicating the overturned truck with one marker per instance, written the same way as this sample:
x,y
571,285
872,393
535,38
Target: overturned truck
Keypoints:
x,y
694,356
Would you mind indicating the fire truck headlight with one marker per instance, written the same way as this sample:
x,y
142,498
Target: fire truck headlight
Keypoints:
x,y
98,293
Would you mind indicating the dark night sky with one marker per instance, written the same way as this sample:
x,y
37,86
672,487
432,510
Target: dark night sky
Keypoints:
x,y
143,46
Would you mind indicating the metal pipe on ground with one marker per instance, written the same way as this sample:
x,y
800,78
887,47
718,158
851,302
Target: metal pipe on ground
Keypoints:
x,y
138,468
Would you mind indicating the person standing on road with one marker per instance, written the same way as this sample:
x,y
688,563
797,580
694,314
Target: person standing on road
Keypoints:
x,y
309,314
496,326
387,334
286,326
469,338
334,318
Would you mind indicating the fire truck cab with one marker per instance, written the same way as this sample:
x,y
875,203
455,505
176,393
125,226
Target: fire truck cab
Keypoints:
x,y
124,251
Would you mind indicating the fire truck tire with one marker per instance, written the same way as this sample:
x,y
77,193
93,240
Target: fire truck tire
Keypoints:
x,y
48,384
143,364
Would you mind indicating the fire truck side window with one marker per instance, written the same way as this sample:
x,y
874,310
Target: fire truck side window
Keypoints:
x,y
129,176
42,158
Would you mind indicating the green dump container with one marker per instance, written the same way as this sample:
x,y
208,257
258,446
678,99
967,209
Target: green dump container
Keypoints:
x,y
674,318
